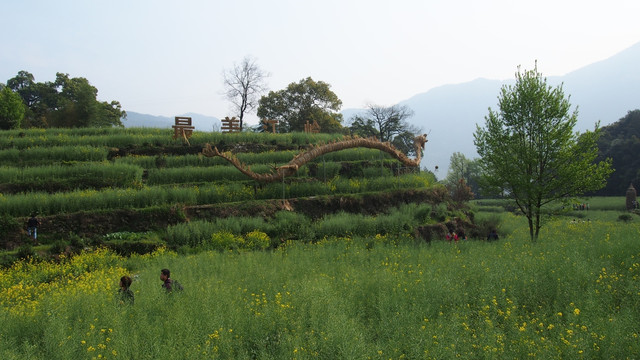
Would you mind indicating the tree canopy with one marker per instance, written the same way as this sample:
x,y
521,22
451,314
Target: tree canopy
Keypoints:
x,y
387,124
66,102
620,141
306,100
11,109
528,148
461,168
382,122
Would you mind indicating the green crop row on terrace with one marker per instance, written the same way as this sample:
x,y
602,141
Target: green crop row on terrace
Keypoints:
x,y
48,155
97,175
81,200
40,155
267,157
321,171
118,137
65,178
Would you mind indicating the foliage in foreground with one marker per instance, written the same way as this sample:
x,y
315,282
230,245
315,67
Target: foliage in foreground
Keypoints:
x,y
574,294
528,149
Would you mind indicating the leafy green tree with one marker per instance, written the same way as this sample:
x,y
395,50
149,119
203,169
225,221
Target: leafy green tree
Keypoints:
x,y
405,140
23,84
39,98
11,109
66,102
462,168
306,100
528,148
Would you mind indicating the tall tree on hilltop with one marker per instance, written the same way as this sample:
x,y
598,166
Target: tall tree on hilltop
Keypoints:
x,y
306,100
66,102
528,148
243,84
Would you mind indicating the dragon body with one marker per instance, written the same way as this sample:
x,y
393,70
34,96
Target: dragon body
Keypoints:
x,y
315,151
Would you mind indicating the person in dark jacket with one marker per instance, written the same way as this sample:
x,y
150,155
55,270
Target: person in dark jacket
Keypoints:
x,y
169,284
125,294
32,227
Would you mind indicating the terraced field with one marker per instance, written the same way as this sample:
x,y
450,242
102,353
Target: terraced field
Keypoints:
x,y
88,183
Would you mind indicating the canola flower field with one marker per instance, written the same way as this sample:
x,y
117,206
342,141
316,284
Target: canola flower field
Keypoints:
x,y
574,294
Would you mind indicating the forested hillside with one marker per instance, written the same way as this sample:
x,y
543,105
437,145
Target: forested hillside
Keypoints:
x,y
621,142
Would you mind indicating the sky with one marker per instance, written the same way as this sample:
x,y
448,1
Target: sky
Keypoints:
x,y
167,58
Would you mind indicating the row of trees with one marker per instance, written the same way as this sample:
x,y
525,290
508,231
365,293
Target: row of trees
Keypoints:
x,y
65,102
72,102
313,102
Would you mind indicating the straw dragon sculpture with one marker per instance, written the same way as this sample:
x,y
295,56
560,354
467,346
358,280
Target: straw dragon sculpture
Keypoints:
x,y
315,151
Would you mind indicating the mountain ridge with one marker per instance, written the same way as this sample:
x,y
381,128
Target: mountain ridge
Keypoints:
x,y
603,92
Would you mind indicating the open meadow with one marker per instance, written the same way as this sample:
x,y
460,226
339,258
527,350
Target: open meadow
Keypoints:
x,y
346,259
575,294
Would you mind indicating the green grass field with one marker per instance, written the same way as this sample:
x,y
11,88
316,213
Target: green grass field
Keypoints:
x,y
575,294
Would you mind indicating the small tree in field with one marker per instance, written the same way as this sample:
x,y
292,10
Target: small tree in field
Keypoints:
x,y
528,148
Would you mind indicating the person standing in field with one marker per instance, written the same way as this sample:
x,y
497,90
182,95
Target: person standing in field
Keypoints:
x,y
32,227
126,295
169,284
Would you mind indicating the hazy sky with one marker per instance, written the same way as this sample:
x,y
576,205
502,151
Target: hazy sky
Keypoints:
x,y
167,57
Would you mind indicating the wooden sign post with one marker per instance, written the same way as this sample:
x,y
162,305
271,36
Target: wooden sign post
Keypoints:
x,y
266,123
230,125
183,128
312,128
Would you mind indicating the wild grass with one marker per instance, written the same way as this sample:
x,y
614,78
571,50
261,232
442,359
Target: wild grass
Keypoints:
x,y
572,295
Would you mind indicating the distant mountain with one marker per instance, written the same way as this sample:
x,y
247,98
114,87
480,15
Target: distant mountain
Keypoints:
x,y
604,91
201,122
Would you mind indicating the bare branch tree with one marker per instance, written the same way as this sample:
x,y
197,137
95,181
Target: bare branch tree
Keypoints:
x,y
243,86
383,122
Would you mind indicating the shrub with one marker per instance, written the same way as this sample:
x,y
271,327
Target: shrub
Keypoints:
x,y
224,240
439,212
625,218
58,247
128,247
288,225
371,172
26,251
256,240
484,224
9,227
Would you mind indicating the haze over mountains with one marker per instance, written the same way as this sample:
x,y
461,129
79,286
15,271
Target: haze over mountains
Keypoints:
x,y
604,91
